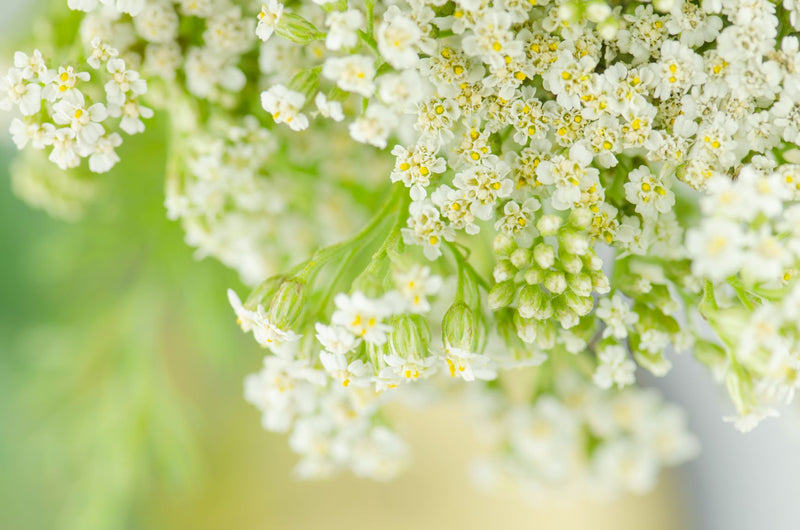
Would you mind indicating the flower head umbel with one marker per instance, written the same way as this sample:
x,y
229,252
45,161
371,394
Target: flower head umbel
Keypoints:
x,y
563,188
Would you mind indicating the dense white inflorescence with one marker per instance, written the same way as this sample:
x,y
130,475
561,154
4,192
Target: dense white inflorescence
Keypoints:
x,y
570,189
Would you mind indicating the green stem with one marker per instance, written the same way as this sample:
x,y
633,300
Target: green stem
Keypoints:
x,y
304,270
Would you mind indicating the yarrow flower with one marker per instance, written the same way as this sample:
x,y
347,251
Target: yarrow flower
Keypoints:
x,y
479,187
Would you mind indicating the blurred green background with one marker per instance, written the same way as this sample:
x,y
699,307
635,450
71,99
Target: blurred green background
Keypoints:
x,y
121,404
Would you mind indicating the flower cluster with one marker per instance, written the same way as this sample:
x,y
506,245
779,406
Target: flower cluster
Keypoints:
x,y
579,441
59,114
568,188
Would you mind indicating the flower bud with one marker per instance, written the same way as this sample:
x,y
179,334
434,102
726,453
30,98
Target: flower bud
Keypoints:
x,y
663,6
544,255
600,282
565,316
521,258
580,218
297,29
580,305
574,242
534,276
555,282
608,28
264,292
526,328
580,284
503,270
410,336
533,303
287,304
597,10
593,261
502,294
548,225
570,262
503,244
306,81
459,327
568,12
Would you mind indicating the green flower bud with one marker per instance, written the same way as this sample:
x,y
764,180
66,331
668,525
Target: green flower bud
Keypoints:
x,y
600,282
580,218
534,303
502,294
534,276
521,258
580,305
306,81
555,282
597,10
570,262
566,316
548,225
574,242
544,255
569,12
592,261
526,328
410,336
264,292
460,327
607,30
504,270
287,304
580,284
297,29
503,244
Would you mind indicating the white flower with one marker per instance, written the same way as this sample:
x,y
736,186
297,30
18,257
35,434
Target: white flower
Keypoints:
x,y
123,82
647,191
404,369
679,69
362,316
614,367
284,105
32,65
716,248
469,366
157,22
342,28
426,228
397,39
131,113
103,156
336,340
355,372
353,73
415,285
101,53
86,122
414,168
374,126
268,19
617,316
15,90
39,135
65,149
328,109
